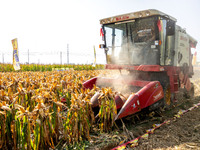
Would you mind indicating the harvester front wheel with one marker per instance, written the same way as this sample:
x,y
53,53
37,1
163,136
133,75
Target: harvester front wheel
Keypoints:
x,y
167,97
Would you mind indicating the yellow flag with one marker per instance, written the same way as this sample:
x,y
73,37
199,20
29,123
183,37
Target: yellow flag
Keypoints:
x,y
16,64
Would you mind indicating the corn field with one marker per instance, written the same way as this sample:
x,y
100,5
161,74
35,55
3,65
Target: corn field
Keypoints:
x,y
33,116
41,67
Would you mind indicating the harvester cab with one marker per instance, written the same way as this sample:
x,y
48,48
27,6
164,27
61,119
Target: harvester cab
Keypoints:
x,y
155,51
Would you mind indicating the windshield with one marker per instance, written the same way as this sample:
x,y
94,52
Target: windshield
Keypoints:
x,y
130,42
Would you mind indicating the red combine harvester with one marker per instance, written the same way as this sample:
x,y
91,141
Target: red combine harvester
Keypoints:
x,y
157,54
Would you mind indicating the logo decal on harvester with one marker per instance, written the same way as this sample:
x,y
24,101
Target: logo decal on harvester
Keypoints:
x,y
156,97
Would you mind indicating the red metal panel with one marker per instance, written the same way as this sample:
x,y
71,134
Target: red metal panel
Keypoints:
x,y
172,72
131,106
151,91
145,97
90,83
119,102
150,94
154,68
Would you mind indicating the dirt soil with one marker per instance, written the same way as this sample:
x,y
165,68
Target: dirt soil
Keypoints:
x,y
184,133
181,134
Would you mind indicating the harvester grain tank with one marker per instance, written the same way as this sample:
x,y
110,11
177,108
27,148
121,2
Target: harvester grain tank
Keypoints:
x,y
157,54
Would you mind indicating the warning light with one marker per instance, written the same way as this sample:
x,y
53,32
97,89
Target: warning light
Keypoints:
x,y
160,42
101,45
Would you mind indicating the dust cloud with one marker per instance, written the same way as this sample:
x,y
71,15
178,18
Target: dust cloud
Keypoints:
x,y
131,54
118,81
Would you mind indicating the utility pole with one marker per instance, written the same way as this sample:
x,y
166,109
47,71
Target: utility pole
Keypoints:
x,y
67,53
28,56
61,58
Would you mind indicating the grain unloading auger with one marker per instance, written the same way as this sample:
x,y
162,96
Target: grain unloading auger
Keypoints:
x,y
157,54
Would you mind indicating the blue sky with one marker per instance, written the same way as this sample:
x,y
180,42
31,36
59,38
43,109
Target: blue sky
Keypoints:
x,y
45,27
